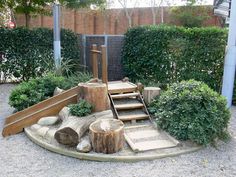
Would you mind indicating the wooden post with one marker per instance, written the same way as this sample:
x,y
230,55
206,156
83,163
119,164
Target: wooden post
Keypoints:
x,y
104,64
94,62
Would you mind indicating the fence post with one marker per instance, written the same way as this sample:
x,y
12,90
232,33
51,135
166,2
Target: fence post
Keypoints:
x,y
95,62
104,64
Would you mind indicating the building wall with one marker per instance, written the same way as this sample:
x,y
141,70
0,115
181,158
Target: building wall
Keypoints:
x,y
111,21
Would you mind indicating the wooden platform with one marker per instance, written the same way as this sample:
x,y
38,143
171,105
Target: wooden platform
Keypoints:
x,y
121,87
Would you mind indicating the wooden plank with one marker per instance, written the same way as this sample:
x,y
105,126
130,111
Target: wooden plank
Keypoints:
x,y
128,106
126,95
43,104
18,125
104,64
133,117
121,87
146,137
95,61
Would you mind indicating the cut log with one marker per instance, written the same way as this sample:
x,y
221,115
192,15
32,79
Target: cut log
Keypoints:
x,y
107,136
149,93
96,94
73,128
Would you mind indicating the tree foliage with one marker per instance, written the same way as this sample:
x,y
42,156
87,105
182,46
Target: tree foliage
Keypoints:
x,y
35,7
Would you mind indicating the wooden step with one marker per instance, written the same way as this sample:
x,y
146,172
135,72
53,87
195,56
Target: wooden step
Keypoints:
x,y
139,116
125,95
128,106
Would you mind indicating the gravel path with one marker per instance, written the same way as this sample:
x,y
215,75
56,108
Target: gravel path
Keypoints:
x,y
19,157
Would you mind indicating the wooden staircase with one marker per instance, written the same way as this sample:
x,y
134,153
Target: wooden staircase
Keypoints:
x,y
127,102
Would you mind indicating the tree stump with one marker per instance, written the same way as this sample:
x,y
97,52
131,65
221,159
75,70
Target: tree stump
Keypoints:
x,y
107,136
96,94
149,93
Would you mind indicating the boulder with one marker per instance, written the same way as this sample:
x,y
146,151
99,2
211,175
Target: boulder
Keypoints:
x,y
64,113
47,121
84,146
57,91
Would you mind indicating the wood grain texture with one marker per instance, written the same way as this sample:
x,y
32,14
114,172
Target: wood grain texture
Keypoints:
x,y
107,141
16,122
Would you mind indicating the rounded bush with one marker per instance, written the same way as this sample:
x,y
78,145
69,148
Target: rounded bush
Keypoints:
x,y
190,110
82,108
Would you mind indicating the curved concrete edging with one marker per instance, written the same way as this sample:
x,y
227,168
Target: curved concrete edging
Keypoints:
x,y
104,157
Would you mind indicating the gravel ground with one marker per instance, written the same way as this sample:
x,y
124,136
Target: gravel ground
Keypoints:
x,y
19,157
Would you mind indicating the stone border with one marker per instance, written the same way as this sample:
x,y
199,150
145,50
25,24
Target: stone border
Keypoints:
x,y
104,157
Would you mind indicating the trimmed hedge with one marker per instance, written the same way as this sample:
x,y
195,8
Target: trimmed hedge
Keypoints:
x,y
29,52
166,54
190,110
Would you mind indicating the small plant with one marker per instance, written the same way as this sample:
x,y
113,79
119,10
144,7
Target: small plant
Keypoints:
x,y
82,108
190,110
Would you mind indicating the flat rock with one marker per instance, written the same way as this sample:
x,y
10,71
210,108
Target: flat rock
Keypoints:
x,y
47,121
84,146
64,113
57,91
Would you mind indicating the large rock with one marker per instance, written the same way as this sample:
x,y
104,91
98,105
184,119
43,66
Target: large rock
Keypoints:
x,y
57,91
64,113
84,146
47,121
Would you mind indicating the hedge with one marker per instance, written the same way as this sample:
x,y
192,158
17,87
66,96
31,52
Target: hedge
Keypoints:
x,y
166,54
28,53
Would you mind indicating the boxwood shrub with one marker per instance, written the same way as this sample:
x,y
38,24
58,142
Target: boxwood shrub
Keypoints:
x,y
190,110
82,108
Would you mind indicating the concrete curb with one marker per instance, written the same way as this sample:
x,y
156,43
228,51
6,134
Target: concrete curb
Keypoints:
x,y
104,157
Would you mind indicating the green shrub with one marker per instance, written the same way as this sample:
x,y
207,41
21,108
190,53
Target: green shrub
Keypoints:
x,y
29,52
190,110
82,108
35,90
168,54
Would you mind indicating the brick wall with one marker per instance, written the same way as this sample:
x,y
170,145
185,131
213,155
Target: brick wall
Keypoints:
x,y
111,21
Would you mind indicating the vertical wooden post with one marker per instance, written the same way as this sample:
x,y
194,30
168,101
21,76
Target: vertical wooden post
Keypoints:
x,y
95,62
104,65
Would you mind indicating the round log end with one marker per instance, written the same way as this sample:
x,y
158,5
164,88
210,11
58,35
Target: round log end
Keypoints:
x,y
107,136
67,136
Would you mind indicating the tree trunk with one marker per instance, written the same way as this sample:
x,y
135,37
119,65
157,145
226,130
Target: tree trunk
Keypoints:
x,y
27,20
107,136
96,94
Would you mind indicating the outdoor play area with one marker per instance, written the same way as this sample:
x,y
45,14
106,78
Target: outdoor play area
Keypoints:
x,y
142,98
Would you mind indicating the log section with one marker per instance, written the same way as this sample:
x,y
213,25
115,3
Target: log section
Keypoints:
x,y
107,136
96,94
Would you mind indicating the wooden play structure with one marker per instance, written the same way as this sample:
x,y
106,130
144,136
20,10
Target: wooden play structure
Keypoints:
x,y
122,96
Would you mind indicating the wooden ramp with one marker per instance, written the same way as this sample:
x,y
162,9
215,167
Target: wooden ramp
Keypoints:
x,y
127,102
146,137
16,122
